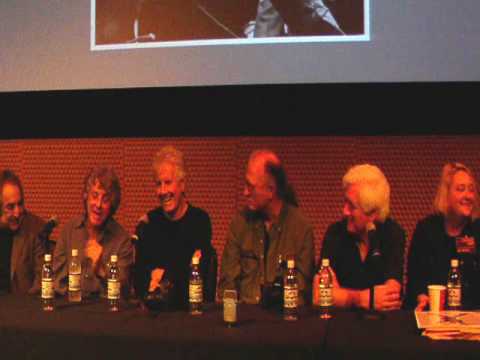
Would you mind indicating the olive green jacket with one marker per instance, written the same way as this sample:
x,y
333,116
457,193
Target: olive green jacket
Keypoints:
x,y
244,266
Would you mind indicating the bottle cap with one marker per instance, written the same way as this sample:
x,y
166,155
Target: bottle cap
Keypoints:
x,y
74,252
48,257
113,258
291,263
325,262
454,262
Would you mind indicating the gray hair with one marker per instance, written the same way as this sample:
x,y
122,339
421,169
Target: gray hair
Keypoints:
x,y
374,189
173,156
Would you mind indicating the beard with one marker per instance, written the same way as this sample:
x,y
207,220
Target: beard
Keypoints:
x,y
256,214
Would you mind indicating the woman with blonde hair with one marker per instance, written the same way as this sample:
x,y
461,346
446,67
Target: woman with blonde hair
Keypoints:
x,y
451,232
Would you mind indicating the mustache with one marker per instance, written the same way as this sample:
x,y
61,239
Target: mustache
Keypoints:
x,y
166,197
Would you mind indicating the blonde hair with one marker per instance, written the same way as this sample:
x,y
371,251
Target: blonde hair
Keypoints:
x,y
374,189
173,156
440,204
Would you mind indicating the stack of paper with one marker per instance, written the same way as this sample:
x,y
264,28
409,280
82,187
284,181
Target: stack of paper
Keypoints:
x,y
449,325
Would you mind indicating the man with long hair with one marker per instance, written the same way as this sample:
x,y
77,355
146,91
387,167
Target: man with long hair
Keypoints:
x,y
270,226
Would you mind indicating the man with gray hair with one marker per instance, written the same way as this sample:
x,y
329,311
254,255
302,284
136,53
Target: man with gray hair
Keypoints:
x,y
96,235
171,234
366,248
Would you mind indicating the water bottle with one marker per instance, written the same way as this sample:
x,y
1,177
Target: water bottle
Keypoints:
x,y
195,288
290,292
278,280
74,278
325,290
230,307
47,284
113,285
454,287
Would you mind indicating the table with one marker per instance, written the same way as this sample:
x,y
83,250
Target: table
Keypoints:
x,y
396,336
89,331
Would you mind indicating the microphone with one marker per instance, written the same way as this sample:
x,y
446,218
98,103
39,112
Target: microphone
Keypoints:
x,y
47,229
49,226
372,240
377,271
375,256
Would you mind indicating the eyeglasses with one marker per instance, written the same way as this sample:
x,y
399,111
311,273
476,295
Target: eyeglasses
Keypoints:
x,y
105,199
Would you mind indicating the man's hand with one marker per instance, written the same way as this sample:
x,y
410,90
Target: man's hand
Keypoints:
x,y
155,278
422,302
387,296
93,251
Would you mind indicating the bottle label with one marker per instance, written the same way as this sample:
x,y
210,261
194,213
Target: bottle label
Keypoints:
x,y
74,282
326,296
290,297
454,296
195,293
229,310
47,289
113,289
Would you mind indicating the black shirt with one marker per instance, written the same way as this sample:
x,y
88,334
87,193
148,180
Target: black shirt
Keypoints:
x,y
168,244
6,241
429,260
341,248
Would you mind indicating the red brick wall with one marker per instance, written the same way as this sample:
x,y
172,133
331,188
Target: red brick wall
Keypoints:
x,y
52,172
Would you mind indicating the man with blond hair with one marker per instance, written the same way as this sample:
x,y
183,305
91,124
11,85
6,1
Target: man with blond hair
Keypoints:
x,y
270,226
366,248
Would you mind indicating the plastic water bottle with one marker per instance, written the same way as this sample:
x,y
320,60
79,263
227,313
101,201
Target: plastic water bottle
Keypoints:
x,y
454,287
290,292
230,307
47,284
113,285
74,278
195,288
325,290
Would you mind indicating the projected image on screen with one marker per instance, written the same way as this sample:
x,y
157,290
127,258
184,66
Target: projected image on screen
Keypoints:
x,y
129,23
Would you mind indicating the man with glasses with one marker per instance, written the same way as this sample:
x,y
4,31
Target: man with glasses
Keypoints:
x,y
20,249
96,235
270,226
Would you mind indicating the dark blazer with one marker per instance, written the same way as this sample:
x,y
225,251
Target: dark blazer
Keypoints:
x,y
27,256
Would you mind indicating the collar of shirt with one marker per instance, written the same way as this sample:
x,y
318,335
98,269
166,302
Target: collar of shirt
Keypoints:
x,y
107,228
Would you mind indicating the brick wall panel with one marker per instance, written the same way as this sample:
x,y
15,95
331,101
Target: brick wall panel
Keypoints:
x,y
52,171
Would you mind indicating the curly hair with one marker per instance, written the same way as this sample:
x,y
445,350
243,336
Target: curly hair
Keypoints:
x,y
108,180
